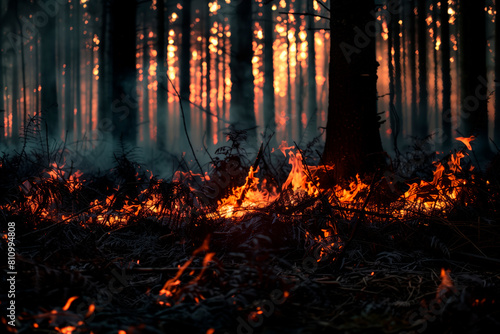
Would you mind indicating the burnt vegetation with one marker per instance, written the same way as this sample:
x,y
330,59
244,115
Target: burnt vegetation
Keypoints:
x,y
151,255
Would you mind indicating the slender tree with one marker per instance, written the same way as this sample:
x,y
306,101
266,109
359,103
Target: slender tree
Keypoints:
x,y
162,98
68,68
50,110
446,112
497,75
77,22
422,129
268,91
353,141
412,63
312,102
184,68
2,82
242,114
474,97
123,60
145,77
208,77
299,78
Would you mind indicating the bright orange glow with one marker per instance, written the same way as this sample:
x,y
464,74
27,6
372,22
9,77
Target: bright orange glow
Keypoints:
x,y
68,303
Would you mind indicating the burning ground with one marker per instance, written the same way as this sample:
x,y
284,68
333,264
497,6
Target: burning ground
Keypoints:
x,y
270,245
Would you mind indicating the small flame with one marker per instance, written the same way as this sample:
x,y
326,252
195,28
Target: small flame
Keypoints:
x,y
466,141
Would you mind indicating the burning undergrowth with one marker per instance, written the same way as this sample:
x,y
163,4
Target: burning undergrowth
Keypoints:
x,y
251,246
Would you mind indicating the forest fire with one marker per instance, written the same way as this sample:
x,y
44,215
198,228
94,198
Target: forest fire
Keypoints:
x,y
134,197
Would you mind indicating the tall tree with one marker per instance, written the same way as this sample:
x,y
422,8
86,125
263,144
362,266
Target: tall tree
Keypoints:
x,y
68,68
208,77
422,128
446,75
353,141
184,68
50,110
497,75
123,60
412,63
161,100
242,113
474,97
268,91
312,102
2,83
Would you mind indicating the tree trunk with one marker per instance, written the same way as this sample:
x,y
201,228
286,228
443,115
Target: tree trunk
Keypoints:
x,y
184,68
299,79
77,72
474,97
67,110
242,114
289,124
497,76
103,84
2,90
162,97
208,77
422,128
446,76
413,69
50,110
353,141
123,61
145,81
268,89
312,102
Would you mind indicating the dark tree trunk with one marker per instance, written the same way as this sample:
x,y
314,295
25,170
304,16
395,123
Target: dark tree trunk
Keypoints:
x,y
422,70
299,78
497,76
184,75
77,71
145,80
123,60
312,102
474,97
353,141
2,85
15,98
50,110
208,78
242,114
103,84
68,69
446,76
162,97
398,91
268,91
289,124
413,69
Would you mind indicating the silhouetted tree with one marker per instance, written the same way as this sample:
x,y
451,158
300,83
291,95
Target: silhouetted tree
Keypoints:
x,y
497,76
353,141
184,67
268,91
242,114
162,97
50,110
446,75
312,102
123,61
474,95
422,128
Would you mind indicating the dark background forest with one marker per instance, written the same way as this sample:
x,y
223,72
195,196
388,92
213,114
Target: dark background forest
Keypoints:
x,y
102,72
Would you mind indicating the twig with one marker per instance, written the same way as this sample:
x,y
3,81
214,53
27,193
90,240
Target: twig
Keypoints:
x,y
185,127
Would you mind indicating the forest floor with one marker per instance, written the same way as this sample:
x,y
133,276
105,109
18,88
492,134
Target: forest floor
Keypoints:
x,y
146,255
